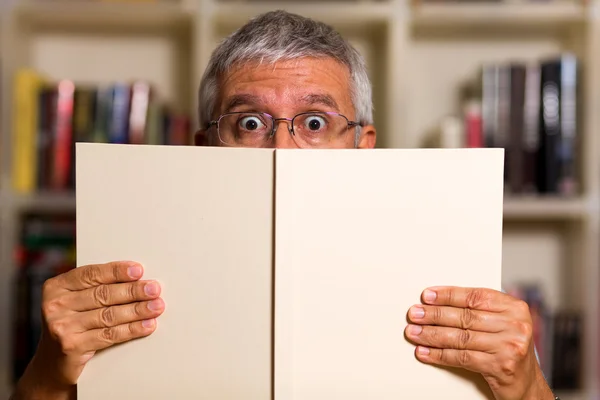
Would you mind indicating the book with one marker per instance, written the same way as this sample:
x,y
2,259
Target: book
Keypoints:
x,y
285,277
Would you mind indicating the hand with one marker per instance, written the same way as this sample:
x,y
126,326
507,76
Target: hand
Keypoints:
x,y
480,330
85,310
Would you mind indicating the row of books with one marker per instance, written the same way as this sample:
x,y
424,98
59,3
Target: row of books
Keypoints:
x,y
557,337
51,116
530,109
46,248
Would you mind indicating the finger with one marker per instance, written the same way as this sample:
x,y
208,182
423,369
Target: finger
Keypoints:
x,y
118,315
110,295
463,318
100,274
473,298
474,361
99,339
451,338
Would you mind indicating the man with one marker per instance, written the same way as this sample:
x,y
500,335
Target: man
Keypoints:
x,y
288,82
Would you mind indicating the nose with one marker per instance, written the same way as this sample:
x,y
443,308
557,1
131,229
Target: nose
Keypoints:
x,y
282,138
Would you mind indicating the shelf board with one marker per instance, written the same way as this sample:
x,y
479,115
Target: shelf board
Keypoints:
x,y
573,395
43,202
509,16
337,14
548,209
78,15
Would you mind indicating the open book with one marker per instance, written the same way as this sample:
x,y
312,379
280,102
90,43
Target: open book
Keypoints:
x,y
287,274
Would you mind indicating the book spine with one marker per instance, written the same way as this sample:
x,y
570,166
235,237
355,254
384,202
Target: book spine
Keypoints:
x,y
27,85
473,124
550,125
63,139
489,104
531,121
503,107
567,180
515,137
119,127
46,138
138,116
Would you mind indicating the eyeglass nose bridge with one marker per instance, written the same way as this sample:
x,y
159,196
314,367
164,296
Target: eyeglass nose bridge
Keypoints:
x,y
289,123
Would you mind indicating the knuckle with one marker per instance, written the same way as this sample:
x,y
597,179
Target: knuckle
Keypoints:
x,y
131,291
57,329
464,358
508,367
108,335
90,275
114,268
477,298
107,316
520,349
51,307
523,328
140,310
436,314
467,318
464,338
102,295
132,331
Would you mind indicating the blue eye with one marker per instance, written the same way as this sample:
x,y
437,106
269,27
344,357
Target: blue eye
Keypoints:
x,y
251,123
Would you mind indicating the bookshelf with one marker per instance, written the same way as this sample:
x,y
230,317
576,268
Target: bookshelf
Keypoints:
x,y
417,54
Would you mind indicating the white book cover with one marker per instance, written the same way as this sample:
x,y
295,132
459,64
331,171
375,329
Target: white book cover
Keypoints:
x,y
287,274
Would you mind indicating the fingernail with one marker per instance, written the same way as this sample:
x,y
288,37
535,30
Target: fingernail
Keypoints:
x,y
417,312
148,323
424,351
151,289
415,329
429,296
155,305
135,271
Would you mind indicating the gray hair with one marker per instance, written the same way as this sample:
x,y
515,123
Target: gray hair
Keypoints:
x,y
278,36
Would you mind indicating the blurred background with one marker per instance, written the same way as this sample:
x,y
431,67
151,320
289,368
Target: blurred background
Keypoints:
x,y
523,75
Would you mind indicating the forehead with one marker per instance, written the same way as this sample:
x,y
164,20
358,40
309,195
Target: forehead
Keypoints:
x,y
283,84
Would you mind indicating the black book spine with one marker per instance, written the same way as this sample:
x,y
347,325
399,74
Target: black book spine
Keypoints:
x,y
567,181
550,127
531,122
516,119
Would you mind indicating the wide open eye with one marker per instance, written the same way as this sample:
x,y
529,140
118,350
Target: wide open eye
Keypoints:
x,y
315,123
251,123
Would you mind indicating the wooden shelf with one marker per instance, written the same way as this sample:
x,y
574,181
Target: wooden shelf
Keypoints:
x,y
573,395
43,202
510,15
544,209
74,15
337,14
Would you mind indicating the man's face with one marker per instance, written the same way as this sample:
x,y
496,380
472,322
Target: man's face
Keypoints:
x,y
284,90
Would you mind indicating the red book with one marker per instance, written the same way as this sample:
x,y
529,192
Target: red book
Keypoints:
x,y
473,125
64,136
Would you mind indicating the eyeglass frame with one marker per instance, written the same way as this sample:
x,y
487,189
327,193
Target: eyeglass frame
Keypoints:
x,y
351,124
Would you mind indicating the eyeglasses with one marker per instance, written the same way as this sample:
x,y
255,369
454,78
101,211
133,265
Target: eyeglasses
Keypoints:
x,y
309,130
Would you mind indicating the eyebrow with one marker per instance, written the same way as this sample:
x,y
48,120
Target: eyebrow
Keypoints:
x,y
241,100
307,100
321,99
